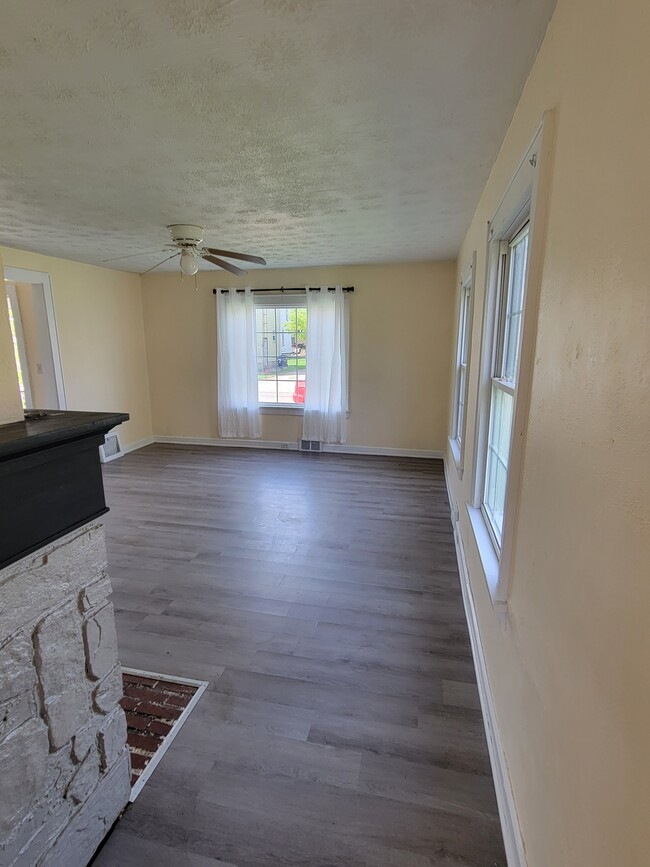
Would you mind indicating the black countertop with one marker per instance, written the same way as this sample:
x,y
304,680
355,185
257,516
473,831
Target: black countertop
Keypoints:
x,y
57,426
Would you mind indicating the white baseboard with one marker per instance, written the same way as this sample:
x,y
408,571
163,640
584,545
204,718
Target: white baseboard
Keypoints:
x,y
344,449
138,444
228,443
293,446
512,837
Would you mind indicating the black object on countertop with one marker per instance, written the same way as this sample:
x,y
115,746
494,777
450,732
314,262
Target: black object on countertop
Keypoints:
x,y
50,477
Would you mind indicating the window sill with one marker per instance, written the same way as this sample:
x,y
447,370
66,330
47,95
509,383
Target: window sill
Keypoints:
x,y
487,554
280,409
454,445
285,409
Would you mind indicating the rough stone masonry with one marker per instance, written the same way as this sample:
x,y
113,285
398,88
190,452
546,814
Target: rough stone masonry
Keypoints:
x,y
64,764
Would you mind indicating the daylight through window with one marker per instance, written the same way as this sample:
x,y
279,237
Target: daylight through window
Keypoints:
x,y
512,278
281,340
462,353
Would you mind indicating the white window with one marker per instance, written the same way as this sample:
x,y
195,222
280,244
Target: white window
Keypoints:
x,y
511,282
463,342
515,257
281,347
262,359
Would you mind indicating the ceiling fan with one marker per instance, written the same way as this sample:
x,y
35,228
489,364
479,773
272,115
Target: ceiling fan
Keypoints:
x,y
185,242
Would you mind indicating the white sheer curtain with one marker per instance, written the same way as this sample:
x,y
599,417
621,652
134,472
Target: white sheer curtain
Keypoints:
x,y
238,408
326,394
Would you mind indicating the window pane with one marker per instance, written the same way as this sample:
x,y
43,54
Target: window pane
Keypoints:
x,y
462,375
494,497
516,282
281,353
265,318
464,323
461,360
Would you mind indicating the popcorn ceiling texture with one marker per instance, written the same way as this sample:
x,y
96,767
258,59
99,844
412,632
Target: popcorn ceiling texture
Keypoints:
x,y
310,131
64,766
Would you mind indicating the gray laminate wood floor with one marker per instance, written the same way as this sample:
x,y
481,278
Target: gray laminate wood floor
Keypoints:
x,y
319,595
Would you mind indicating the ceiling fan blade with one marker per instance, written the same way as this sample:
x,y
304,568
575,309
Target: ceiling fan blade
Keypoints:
x,y
133,255
229,255
220,263
173,256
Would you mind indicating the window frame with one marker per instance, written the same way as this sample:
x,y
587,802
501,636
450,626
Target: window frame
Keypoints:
x,y
293,299
465,321
502,299
525,201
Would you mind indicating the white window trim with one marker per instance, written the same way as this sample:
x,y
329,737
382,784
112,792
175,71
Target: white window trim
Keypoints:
x,y
281,409
528,190
457,445
500,299
290,299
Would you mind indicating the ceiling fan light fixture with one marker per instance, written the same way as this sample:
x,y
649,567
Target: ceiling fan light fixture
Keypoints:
x,y
189,263
187,246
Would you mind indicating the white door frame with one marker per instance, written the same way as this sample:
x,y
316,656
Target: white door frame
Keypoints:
x,y
22,275
10,291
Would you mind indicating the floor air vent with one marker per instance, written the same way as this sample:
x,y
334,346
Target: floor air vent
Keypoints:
x,y
310,446
111,448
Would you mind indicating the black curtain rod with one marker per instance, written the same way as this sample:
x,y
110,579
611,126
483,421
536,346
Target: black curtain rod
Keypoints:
x,y
282,289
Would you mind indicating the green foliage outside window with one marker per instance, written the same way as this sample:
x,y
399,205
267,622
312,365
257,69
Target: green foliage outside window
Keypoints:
x,y
296,323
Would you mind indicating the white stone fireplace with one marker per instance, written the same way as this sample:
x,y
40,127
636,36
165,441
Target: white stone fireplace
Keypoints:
x,y
64,764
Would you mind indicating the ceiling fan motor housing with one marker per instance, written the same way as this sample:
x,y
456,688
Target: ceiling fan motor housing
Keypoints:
x,y
186,236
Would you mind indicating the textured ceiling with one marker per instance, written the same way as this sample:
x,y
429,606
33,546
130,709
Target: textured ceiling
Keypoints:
x,y
307,131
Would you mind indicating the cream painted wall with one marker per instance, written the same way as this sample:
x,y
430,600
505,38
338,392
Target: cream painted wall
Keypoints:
x,y
569,670
11,408
101,337
400,345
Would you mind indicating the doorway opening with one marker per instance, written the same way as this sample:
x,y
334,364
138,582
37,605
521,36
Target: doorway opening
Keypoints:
x,y
36,343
